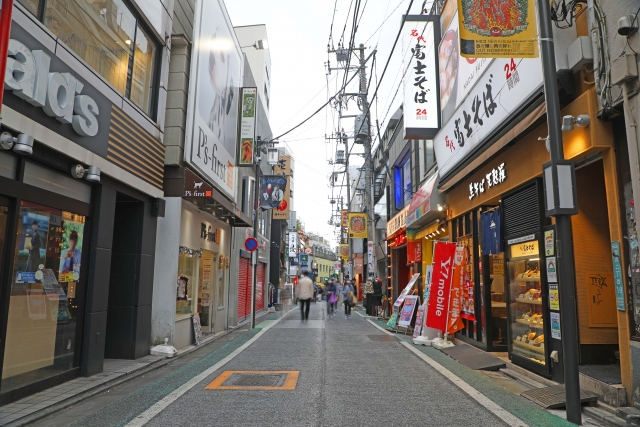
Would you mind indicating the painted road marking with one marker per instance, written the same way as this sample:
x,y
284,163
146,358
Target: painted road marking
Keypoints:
x,y
159,406
483,400
290,381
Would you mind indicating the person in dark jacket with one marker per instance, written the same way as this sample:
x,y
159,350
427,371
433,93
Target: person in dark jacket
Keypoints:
x,y
33,261
332,298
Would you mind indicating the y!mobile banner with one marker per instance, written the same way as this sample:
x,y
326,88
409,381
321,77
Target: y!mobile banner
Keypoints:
x,y
212,113
441,285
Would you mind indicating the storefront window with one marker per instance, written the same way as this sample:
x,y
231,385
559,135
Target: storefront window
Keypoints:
x,y
206,284
41,326
106,35
187,282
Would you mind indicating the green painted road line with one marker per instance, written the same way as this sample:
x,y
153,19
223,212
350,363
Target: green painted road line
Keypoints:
x,y
525,410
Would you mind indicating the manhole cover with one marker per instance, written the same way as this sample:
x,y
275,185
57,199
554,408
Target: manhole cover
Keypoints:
x,y
258,380
255,380
383,338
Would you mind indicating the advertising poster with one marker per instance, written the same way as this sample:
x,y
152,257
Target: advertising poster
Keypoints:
x,y
344,251
555,326
409,306
393,319
417,329
549,243
505,29
70,252
32,244
455,301
345,218
36,304
441,285
283,168
552,271
247,125
554,297
272,188
212,115
357,225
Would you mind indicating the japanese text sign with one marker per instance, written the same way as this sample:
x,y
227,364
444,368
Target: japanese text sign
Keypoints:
x,y
496,176
441,286
420,38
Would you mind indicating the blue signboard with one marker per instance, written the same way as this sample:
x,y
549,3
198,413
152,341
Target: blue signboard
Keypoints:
x,y
617,274
304,259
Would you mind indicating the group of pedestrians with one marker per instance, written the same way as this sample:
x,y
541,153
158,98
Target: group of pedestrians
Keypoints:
x,y
335,292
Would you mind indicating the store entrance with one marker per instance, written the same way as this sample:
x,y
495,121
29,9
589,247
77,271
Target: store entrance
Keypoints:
x,y
206,294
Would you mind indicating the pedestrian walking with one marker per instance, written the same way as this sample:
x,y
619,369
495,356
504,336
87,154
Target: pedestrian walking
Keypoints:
x,y
304,293
315,293
347,295
332,298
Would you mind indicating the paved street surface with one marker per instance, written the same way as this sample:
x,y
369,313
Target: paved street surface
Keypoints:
x,y
349,372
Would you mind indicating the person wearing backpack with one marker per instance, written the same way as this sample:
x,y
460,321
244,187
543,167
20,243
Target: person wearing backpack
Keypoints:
x,y
332,298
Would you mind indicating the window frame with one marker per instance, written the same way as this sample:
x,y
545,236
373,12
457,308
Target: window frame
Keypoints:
x,y
151,37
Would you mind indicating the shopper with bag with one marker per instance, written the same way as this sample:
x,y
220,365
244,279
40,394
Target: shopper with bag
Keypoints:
x,y
348,298
332,298
304,293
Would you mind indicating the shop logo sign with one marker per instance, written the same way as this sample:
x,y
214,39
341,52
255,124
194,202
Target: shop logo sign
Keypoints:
x,y
208,234
496,176
58,94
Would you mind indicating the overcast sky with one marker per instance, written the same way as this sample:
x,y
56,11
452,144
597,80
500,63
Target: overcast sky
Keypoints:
x,y
298,32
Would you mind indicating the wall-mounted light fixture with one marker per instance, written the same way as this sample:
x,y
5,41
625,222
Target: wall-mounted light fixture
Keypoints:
x,y
582,121
91,174
22,144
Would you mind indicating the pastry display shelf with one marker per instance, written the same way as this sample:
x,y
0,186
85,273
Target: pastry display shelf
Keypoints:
x,y
528,279
528,346
530,324
529,301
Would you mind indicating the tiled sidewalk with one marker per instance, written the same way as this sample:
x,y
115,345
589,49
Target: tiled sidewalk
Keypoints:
x,y
52,397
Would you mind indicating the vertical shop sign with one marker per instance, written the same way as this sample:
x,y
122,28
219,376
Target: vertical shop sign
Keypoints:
x,y
555,326
455,301
247,126
420,36
283,168
293,244
441,285
505,29
617,275
370,258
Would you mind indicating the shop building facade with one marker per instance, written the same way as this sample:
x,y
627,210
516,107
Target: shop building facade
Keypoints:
x,y
79,201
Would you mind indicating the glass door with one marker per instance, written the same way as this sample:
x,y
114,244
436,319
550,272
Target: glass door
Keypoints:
x,y
206,294
527,314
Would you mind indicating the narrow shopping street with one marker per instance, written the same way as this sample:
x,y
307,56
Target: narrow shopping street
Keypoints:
x,y
350,372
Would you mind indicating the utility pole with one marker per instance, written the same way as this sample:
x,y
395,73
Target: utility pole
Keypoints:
x,y
368,163
566,273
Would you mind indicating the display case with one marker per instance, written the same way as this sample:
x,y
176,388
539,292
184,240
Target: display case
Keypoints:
x,y
527,307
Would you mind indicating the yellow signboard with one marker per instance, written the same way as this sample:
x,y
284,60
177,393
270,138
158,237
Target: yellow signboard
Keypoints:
x,y
492,29
344,251
345,218
524,249
357,225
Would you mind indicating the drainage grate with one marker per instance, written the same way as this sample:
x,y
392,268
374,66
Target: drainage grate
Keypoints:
x,y
554,397
256,380
383,338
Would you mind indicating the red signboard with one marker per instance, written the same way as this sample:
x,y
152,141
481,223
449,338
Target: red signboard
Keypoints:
x,y
441,285
401,240
414,251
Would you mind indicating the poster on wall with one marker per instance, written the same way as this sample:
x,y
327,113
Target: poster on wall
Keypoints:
x,y
249,96
32,245
272,188
212,114
406,314
549,243
70,254
505,29
555,326
441,285
552,271
554,297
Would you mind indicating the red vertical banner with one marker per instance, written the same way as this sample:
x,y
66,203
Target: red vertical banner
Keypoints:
x,y
414,247
441,285
455,302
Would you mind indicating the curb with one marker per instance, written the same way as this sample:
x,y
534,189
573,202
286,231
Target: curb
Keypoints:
x,y
59,406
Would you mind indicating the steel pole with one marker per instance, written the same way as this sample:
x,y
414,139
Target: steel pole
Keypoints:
x,y
256,210
566,274
5,33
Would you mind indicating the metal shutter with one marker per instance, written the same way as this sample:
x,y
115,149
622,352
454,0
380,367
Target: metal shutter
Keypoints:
x,y
521,211
260,286
244,288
